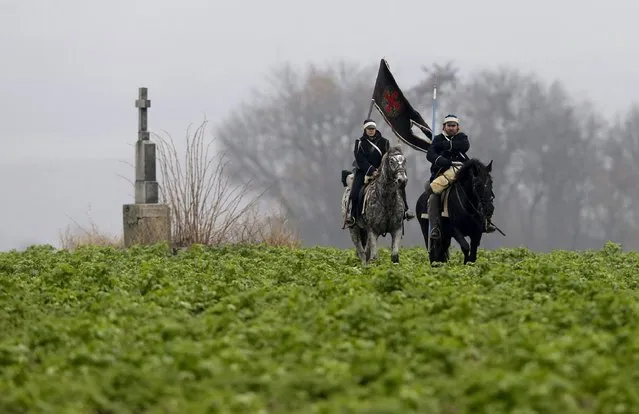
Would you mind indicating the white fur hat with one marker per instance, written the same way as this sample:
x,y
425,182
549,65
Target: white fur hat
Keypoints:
x,y
369,123
450,118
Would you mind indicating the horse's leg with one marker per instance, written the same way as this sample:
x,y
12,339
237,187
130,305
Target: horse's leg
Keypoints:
x,y
421,208
423,224
446,239
433,249
357,241
396,238
437,248
363,236
372,244
442,245
459,237
375,251
437,251
369,245
475,239
445,246
359,249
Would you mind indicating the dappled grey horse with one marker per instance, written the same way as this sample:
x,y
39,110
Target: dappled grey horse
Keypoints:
x,y
382,208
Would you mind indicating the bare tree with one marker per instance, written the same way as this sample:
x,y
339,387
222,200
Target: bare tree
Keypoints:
x,y
490,103
615,191
553,185
445,77
296,136
206,208
542,146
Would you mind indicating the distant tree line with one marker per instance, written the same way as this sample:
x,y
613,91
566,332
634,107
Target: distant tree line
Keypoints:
x,y
564,176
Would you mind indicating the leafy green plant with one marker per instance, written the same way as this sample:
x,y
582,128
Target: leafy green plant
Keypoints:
x,y
269,329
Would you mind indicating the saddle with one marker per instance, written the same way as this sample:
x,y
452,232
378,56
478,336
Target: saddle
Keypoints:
x,y
347,181
444,205
363,195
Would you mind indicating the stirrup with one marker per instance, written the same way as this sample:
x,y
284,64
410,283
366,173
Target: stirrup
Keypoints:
x,y
349,222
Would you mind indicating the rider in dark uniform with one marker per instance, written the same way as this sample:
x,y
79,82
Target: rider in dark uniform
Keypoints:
x,y
447,148
369,150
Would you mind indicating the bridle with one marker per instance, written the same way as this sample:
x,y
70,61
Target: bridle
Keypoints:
x,y
483,198
400,169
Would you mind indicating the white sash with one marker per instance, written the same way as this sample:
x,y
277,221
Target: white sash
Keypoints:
x,y
378,150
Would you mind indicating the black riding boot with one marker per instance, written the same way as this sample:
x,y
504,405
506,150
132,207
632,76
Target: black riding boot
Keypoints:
x,y
408,214
350,220
356,186
434,204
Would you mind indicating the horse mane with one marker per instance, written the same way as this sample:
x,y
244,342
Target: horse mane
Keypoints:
x,y
471,167
394,149
383,166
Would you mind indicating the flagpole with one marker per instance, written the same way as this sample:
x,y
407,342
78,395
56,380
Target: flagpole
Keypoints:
x,y
370,109
430,222
434,107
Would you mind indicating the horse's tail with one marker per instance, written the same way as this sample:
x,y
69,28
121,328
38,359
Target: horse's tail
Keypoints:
x,y
421,205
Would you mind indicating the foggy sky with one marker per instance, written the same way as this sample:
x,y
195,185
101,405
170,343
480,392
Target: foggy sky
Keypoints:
x,y
70,72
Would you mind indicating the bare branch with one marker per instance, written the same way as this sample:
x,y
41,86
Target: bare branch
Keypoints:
x,y
206,208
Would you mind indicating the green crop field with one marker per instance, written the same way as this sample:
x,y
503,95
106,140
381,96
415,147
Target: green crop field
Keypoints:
x,y
276,330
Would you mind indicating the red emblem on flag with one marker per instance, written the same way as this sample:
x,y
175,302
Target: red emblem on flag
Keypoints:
x,y
391,102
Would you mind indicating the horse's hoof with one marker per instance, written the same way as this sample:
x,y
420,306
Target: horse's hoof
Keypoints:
x,y
395,258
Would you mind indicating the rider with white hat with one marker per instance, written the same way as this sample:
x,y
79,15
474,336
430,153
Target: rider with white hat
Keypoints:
x,y
447,153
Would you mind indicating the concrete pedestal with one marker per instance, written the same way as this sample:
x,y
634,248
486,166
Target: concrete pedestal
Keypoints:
x,y
146,224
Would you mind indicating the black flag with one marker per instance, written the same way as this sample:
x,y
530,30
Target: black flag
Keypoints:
x,y
398,112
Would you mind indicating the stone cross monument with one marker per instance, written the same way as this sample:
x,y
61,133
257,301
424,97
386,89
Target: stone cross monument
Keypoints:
x,y
146,186
146,221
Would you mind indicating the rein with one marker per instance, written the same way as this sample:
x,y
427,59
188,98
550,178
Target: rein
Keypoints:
x,y
461,203
480,210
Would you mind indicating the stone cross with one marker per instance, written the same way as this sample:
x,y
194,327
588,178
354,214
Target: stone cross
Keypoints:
x,y
143,103
146,221
146,186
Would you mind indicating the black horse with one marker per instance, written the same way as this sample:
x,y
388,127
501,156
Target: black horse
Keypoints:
x,y
470,207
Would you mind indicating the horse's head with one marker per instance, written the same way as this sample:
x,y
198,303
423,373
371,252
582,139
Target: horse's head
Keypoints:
x,y
477,176
394,166
483,188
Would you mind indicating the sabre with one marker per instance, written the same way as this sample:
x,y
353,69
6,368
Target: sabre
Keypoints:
x,y
497,228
